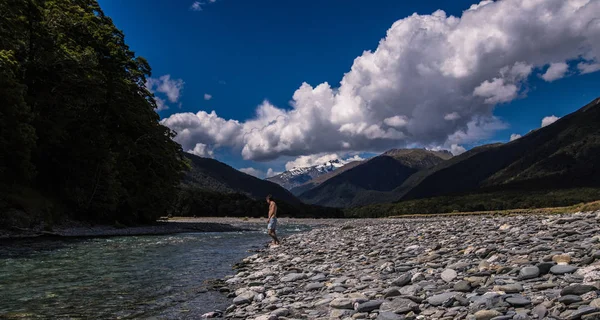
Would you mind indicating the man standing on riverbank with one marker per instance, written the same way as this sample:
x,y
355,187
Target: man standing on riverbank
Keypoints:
x,y
272,220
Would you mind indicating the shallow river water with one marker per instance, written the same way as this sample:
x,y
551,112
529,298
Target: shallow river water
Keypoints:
x,y
158,277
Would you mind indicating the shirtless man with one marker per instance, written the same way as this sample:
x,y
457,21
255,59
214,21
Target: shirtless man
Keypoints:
x,y
272,220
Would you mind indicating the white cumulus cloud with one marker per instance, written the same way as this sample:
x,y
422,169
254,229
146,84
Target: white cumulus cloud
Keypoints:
x,y
555,71
549,120
514,136
253,172
202,150
588,67
207,96
271,173
427,69
167,87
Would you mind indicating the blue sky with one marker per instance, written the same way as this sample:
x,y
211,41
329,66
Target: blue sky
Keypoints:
x,y
232,55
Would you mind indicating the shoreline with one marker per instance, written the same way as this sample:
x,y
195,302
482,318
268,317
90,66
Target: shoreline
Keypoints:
x,y
75,229
474,267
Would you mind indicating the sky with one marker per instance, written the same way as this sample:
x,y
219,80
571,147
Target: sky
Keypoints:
x,y
266,85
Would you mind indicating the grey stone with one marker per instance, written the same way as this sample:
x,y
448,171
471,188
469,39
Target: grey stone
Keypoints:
x,y
448,275
313,286
341,303
529,273
510,288
402,280
280,312
391,292
398,305
244,298
440,299
584,310
570,299
562,269
368,306
486,314
462,286
386,315
292,277
518,301
577,289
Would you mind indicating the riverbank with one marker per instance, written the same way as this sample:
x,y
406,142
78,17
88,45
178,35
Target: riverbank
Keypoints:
x,y
80,229
169,226
471,267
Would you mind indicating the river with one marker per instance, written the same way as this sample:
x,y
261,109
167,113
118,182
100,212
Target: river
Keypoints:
x,y
160,276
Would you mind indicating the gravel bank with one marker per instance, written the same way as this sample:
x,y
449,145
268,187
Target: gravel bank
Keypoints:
x,y
477,267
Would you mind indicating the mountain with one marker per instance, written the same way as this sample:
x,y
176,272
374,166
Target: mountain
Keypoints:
x,y
383,173
298,176
212,175
300,189
565,154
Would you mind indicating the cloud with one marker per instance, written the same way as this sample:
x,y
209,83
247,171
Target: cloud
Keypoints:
x,y
253,172
272,173
428,68
169,88
202,150
199,5
160,104
452,116
207,96
514,136
456,149
311,160
549,120
555,71
588,67
196,6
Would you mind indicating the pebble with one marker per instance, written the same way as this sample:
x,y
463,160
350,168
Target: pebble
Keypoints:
x,y
468,267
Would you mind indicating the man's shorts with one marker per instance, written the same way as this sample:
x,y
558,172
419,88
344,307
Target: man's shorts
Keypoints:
x,y
272,224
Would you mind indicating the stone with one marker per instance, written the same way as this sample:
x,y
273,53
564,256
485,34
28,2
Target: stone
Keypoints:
x,y
386,315
448,275
561,259
368,306
398,305
563,269
341,313
510,288
570,299
584,310
244,298
486,314
518,301
402,280
391,292
341,303
577,289
591,316
540,310
462,286
545,267
440,299
529,273
595,303
280,312
314,286
292,277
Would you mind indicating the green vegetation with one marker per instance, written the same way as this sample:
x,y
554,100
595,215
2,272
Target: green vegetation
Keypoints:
x,y
492,201
78,131
205,203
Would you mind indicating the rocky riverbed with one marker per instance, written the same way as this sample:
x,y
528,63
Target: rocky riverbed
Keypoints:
x,y
477,267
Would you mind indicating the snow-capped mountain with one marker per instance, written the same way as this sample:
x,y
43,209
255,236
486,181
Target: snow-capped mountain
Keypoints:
x,y
297,176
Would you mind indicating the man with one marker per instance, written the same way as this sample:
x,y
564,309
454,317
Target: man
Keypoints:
x,y
272,220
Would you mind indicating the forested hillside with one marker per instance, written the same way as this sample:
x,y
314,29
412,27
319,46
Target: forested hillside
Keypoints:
x,y
78,131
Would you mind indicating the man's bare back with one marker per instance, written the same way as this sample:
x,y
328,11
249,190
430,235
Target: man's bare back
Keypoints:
x,y
272,220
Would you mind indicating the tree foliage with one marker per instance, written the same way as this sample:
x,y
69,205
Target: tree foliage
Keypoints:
x,y
76,121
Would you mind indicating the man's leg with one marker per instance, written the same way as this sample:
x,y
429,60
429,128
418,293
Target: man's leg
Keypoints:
x,y
271,233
